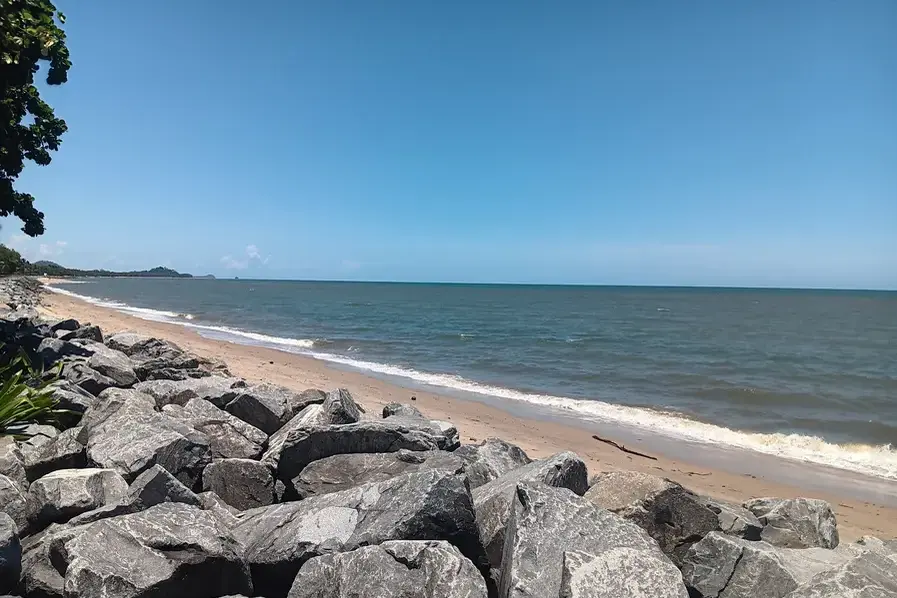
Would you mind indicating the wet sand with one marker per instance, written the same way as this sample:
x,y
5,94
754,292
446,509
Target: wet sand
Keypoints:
x,y
863,505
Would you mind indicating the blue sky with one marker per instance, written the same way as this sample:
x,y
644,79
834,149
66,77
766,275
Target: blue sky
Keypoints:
x,y
750,143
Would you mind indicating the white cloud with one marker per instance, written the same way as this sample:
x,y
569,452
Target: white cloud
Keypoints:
x,y
51,250
33,251
253,255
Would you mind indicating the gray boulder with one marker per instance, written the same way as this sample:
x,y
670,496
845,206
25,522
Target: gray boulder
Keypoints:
x,y
224,512
620,572
112,364
735,520
86,378
13,501
87,332
62,494
341,472
795,522
71,397
12,461
171,550
340,408
393,569
128,435
63,451
493,500
52,350
66,325
869,575
242,483
729,567
491,459
675,517
10,554
141,347
217,390
402,410
547,522
267,406
428,505
229,436
36,434
289,453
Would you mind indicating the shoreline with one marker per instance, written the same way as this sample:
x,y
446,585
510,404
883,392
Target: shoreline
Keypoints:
x,y
864,505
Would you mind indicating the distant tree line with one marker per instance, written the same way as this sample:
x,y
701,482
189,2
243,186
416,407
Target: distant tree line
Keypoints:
x,y
12,262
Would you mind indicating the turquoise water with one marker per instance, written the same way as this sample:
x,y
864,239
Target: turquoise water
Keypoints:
x,y
803,374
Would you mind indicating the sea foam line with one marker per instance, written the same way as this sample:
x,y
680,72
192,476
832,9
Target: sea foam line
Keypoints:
x,y
879,461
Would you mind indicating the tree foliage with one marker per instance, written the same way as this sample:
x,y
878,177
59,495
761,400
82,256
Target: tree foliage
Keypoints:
x,y
29,130
11,261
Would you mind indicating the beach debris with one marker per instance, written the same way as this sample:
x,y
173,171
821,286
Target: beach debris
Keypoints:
x,y
622,448
393,569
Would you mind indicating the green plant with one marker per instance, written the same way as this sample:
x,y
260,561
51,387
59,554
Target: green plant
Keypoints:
x,y
25,397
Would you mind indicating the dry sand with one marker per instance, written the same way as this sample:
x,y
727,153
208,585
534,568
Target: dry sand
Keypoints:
x,y
477,421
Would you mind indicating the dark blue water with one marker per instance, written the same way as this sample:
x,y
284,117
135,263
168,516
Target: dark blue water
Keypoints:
x,y
807,374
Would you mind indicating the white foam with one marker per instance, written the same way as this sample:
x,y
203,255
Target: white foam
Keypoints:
x,y
879,461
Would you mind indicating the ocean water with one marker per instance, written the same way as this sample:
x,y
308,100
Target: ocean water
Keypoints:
x,y
807,375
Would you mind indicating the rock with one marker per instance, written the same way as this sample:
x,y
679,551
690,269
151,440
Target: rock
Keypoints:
x,y
241,483
179,552
735,520
340,408
493,500
675,517
224,512
62,494
156,486
491,459
620,572
547,522
10,554
868,575
141,347
13,501
428,505
60,452
229,436
402,410
393,569
87,378
66,325
12,462
795,522
267,407
289,453
722,565
341,472
52,350
37,435
130,436
112,364
71,397
217,390
87,332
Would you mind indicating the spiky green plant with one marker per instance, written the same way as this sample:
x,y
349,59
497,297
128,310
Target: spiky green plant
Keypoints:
x,y
25,397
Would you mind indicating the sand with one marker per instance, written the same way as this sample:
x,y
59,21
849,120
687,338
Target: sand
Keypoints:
x,y
739,479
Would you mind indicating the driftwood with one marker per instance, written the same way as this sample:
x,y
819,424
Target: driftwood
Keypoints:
x,y
623,448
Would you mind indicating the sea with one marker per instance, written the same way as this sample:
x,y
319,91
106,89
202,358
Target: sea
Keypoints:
x,y
808,375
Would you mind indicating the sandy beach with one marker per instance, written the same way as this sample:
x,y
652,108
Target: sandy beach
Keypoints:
x,y
863,505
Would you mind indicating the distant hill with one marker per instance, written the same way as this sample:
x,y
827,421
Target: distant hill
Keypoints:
x,y
48,268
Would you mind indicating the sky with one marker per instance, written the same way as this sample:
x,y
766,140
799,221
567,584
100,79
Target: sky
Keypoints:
x,y
670,143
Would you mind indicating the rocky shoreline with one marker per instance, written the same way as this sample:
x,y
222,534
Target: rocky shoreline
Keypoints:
x,y
172,478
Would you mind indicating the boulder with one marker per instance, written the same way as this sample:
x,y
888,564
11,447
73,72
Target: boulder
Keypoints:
x,y
52,350
71,397
547,522
289,453
674,516
62,494
128,435
86,378
401,409
66,325
13,501
393,569
10,554
224,512
427,505
215,389
869,575
63,451
493,500
795,522
491,459
267,406
141,347
229,436
620,572
722,565
87,332
340,472
112,364
171,550
242,483
36,435
12,461
735,520
340,408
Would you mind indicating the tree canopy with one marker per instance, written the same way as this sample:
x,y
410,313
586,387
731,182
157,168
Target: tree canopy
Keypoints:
x,y
29,130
